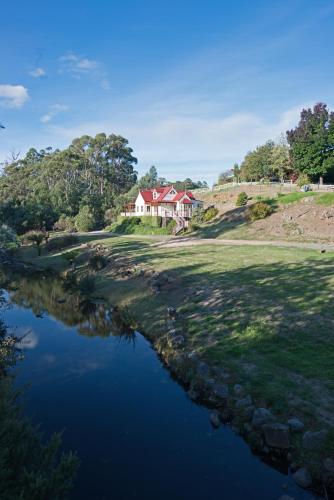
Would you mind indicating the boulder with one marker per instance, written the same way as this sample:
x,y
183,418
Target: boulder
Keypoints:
x,y
220,391
328,464
248,412
176,341
172,313
203,369
246,401
238,390
295,424
277,435
314,440
302,477
214,419
262,416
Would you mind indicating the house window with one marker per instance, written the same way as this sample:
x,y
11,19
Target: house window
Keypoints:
x,y
155,195
148,208
142,209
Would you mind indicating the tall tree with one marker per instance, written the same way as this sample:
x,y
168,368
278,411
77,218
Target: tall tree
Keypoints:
x,y
312,142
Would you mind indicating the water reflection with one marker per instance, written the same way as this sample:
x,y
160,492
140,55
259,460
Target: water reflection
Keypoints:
x,y
49,295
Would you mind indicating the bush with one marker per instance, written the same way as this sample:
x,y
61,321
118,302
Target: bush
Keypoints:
x,y
97,262
198,216
171,226
148,220
8,238
65,223
85,220
303,180
86,284
209,214
193,226
259,210
241,199
61,242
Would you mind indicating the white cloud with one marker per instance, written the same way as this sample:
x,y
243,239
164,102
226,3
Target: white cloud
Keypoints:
x,y
13,96
37,73
54,110
199,147
78,66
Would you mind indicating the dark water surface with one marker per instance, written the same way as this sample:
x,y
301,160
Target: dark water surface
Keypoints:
x,y
134,428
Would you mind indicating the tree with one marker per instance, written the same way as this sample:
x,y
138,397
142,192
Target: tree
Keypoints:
x,y
85,220
36,237
312,142
269,161
150,179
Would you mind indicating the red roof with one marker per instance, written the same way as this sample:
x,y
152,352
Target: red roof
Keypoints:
x,y
147,195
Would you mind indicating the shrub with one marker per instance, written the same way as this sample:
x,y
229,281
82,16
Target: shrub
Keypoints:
x,y
86,284
97,262
241,199
193,226
148,220
65,223
198,216
302,180
61,242
8,238
35,237
109,216
85,220
171,226
210,213
259,210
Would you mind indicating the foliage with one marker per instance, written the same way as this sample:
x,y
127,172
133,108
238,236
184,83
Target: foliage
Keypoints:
x,y
29,468
86,284
259,210
269,161
171,226
93,171
35,237
60,242
198,216
65,223
241,199
303,179
193,226
8,238
139,225
210,213
97,262
84,220
312,142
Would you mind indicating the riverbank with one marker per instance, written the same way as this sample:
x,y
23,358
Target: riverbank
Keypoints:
x,y
249,330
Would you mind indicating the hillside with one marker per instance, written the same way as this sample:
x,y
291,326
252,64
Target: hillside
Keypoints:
x,y
296,216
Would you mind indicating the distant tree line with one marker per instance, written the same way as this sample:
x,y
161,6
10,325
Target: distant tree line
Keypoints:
x,y
307,150
81,187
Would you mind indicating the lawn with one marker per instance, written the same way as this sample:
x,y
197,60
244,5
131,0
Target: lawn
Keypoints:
x,y
264,313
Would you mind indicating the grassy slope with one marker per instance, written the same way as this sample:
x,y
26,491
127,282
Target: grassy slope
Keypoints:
x,y
263,312
240,228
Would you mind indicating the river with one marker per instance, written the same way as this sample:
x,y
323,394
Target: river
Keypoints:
x,y
137,433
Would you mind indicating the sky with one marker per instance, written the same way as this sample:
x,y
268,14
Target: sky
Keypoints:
x,y
192,85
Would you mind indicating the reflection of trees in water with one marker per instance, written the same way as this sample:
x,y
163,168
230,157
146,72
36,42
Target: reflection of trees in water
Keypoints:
x,y
89,316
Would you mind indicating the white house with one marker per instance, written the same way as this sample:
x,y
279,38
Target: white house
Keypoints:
x,y
164,201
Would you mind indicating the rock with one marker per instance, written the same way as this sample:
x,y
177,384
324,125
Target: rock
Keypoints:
x,y
176,341
226,415
248,412
295,424
172,312
286,497
193,357
314,440
262,416
302,477
247,427
220,391
265,450
277,435
328,464
193,395
237,388
240,403
203,369
214,419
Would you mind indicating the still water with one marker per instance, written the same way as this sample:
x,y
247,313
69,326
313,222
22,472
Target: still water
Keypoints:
x,y
135,430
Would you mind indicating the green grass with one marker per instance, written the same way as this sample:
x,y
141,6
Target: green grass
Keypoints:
x,y
294,197
326,199
264,313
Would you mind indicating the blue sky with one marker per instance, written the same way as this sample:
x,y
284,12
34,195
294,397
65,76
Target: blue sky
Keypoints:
x,y
192,85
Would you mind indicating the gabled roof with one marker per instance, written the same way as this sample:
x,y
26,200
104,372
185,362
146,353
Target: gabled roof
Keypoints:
x,y
147,195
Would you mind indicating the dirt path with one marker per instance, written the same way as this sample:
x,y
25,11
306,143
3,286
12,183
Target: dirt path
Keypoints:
x,y
183,242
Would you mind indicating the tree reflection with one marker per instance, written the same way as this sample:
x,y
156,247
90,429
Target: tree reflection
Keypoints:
x,y
47,294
